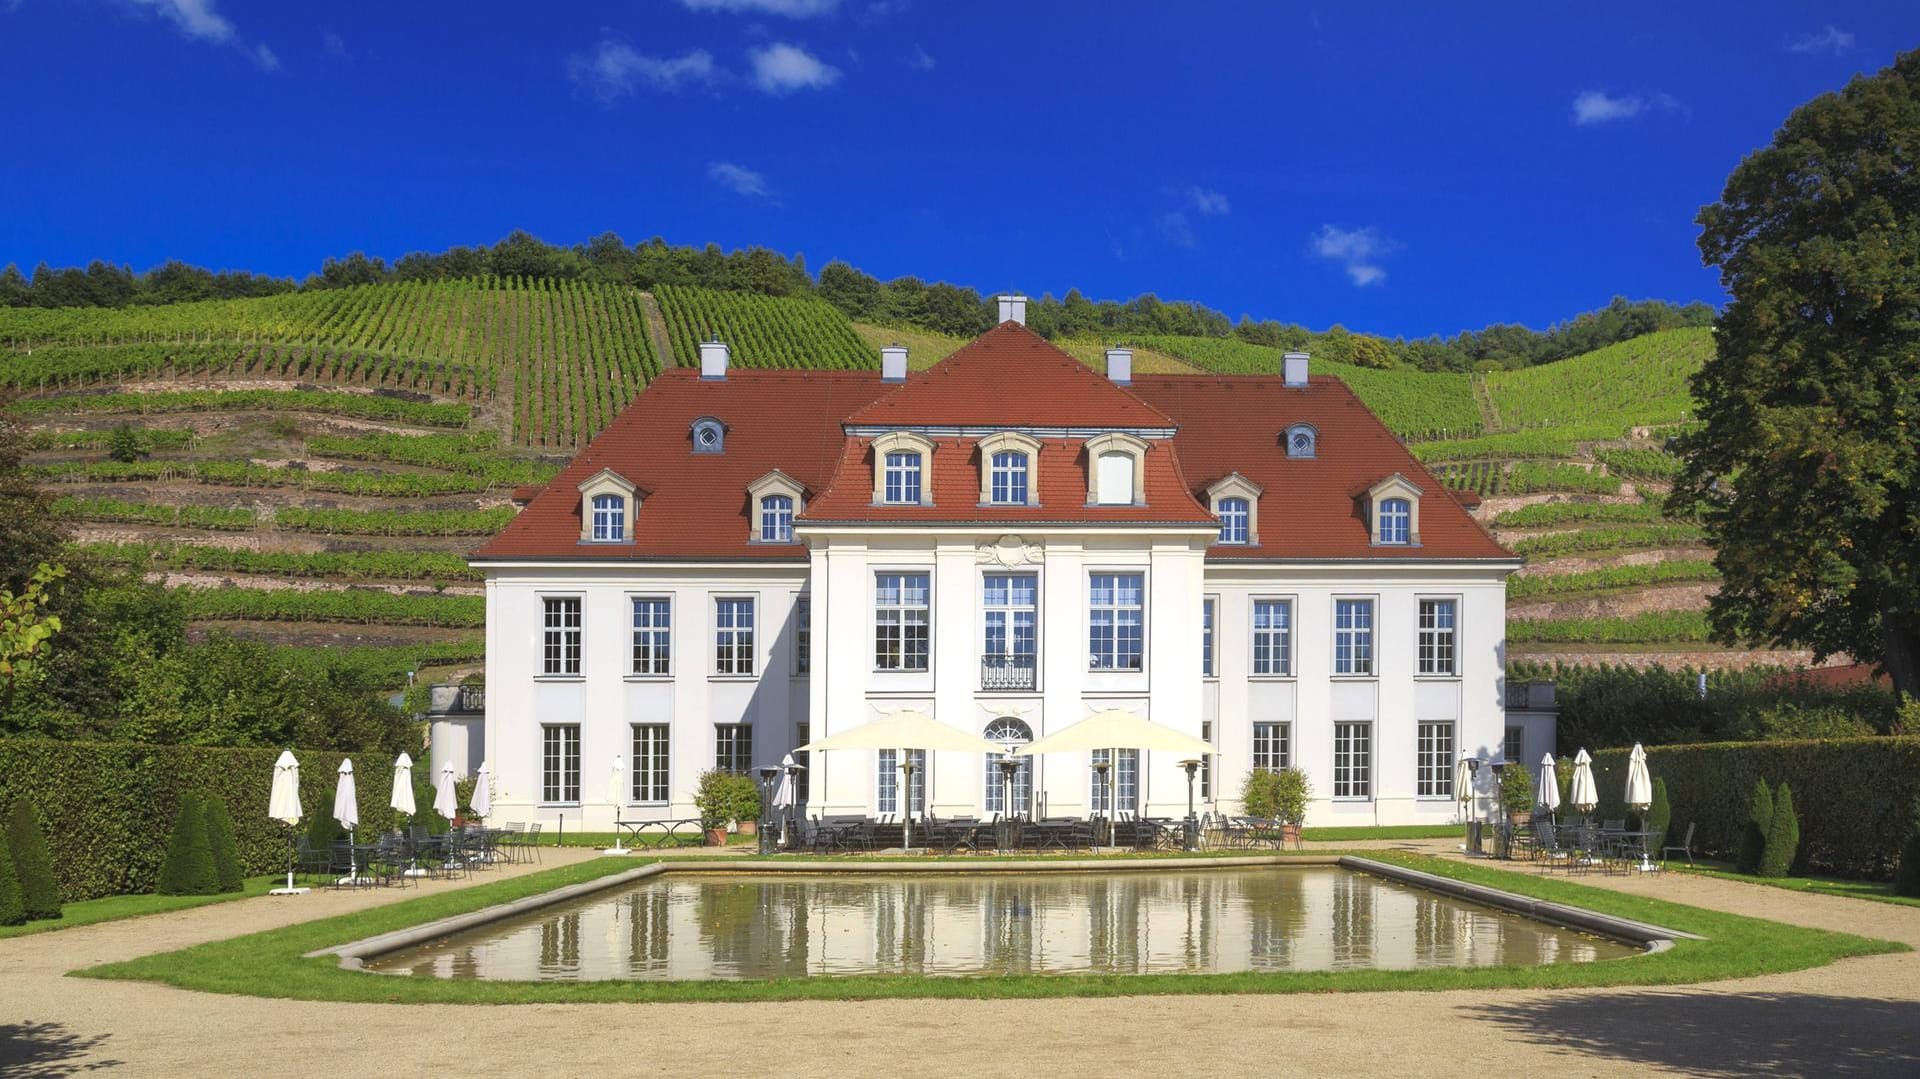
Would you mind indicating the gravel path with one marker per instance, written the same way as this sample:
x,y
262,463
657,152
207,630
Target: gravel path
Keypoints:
x,y
1856,1017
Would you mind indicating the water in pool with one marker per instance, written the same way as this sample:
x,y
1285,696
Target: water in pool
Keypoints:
x,y
710,926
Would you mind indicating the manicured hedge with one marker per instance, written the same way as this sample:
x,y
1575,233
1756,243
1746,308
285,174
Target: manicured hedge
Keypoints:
x,y
109,807
1854,796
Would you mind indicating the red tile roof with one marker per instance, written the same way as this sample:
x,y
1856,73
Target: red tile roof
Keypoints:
x,y
1009,377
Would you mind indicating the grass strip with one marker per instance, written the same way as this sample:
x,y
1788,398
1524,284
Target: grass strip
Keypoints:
x,y
115,907
270,964
1878,891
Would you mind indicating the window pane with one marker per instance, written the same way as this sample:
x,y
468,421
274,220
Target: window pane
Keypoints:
x,y
1115,479
1434,761
902,623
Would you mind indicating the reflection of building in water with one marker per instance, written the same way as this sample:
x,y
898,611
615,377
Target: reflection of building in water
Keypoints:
x,y
1123,922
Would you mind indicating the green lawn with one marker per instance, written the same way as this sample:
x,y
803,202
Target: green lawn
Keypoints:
x,y
1878,891
270,964
115,907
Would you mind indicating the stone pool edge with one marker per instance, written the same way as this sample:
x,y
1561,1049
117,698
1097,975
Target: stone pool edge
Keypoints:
x,y
354,954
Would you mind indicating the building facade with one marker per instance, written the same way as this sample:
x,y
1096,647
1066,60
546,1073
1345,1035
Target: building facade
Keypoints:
x,y
1009,541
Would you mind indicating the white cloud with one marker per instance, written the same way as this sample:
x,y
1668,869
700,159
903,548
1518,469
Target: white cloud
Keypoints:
x,y
199,20
1176,229
781,68
1830,39
1592,107
614,69
1210,203
792,9
1358,250
738,179
920,60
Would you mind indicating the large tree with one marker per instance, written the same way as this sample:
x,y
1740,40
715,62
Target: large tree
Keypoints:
x,y
1807,472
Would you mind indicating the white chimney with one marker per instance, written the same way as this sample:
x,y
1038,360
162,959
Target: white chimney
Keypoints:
x,y
893,363
1296,369
1120,365
1013,309
713,360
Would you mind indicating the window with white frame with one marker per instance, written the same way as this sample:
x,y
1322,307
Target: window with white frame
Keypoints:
x,y
802,636
1116,621
609,517
560,636
1010,617
1513,746
1396,520
733,748
887,782
1272,746
1437,637
1206,636
1353,636
1126,799
1008,732
902,619
1433,760
1008,481
560,763
1233,520
1353,760
651,778
733,635
901,479
1206,762
1273,637
652,635
776,519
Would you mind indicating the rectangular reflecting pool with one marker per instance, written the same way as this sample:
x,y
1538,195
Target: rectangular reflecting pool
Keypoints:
x,y
711,926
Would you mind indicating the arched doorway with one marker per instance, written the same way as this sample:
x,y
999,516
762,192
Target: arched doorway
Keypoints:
x,y
1009,732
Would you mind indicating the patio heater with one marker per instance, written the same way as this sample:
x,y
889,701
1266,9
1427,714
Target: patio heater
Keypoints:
x,y
765,827
1008,766
1192,765
1100,770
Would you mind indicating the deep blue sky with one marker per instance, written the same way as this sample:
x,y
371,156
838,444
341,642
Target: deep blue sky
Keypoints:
x,y
1398,169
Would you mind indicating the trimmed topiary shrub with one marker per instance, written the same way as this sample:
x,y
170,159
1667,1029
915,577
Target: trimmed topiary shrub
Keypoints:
x,y
322,829
226,856
188,869
12,910
1907,880
32,864
1783,837
1659,816
1753,841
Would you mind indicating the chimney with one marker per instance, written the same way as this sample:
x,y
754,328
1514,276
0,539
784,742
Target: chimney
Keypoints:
x,y
893,363
713,360
1296,369
1013,309
1120,366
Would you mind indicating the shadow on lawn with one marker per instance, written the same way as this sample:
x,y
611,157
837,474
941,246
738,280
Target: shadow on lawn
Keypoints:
x,y
1725,1034
43,1050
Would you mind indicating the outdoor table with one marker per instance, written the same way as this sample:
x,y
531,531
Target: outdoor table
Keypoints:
x,y
670,830
1639,842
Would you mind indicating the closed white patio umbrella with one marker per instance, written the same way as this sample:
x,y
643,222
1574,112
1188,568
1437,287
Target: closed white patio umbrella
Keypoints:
x,y
1463,783
403,801
1640,795
1583,795
445,802
616,794
906,730
346,810
482,801
1114,729
1547,795
783,795
283,805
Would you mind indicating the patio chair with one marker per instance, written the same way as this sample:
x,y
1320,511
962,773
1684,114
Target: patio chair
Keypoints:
x,y
1685,846
532,841
1546,842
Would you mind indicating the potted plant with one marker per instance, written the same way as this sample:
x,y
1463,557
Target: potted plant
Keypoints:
x,y
1516,798
713,800
746,804
1290,793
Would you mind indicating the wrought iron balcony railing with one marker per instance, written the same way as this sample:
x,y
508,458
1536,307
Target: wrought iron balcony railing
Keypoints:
x,y
1002,673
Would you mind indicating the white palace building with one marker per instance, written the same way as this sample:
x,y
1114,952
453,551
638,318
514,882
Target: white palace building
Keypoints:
x,y
1008,542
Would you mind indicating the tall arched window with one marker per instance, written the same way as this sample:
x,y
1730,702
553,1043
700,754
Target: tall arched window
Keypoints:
x,y
1009,732
609,517
1396,520
1009,478
1233,520
776,519
902,478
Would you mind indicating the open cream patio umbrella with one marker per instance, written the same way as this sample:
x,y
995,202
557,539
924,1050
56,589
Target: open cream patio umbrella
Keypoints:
x,y
906,730
1584,795
283,805
346,810
1113,729
1548,794
1640,795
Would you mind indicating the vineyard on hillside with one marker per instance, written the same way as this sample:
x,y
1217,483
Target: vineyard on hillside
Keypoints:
x,y
1642,382
566,356
763,331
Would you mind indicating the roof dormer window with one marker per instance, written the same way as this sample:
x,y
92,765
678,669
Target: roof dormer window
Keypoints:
x,y
608,504
1299,440
1236,501
1115,472
774,500
709,435
1394,505
1009,470
902,470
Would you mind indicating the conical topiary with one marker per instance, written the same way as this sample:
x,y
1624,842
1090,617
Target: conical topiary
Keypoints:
x,y
226,854
1783,837
188,869
1659,815
1753,838
32,864
322,829
12,910
1906,880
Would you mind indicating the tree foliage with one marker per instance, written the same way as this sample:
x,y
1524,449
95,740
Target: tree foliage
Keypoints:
x,y
1807,471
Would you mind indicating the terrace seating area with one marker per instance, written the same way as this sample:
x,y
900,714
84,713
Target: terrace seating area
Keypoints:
x,y
1579,844
394,858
